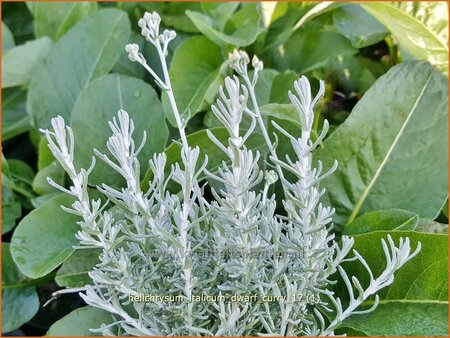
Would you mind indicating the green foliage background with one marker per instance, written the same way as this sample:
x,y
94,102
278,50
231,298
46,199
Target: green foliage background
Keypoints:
x,y
385,67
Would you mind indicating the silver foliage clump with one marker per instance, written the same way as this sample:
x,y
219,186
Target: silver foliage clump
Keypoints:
x,y
157,242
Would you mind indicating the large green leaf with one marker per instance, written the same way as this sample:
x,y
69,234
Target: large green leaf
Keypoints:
x,y
98,104
195,75
412,35
402,319
433,14
19,305
309,50
221,12
20,62
74,272
423,279
20,301
263,87
291,18
390,219
392,149
80,321
15,119
11,276
11,206
358,26
21,171
126,67
417,298
282,83
7,39
281,111
54,19
94,45
45,238
240,30
55,172
174,15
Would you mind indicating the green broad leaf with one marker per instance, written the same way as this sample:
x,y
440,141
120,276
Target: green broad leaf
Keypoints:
x,y
5,167
292,17
45,156
413,36
45,238
39,200
282,83
195,73
19,302
174,15
390,219
11,207
54,19
55,172
433,14
95,44
306,51
19,305
402,319
74,271
11,275
19,63
15,119
388,147
221,12
423,279
7,39
281,111
105,96
20,171
125,66
80,321
240,30
417,300
21,179
361,28
264,86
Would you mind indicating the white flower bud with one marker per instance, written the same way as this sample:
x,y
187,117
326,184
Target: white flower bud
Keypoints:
x,y
257,64
271,177
150,24
133,52
239,61
147,17
167,36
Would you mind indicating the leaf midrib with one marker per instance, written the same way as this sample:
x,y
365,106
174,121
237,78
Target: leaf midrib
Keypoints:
x,y
65,20
368,188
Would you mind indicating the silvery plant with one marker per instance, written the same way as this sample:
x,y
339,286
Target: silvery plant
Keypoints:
x,y
180,264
